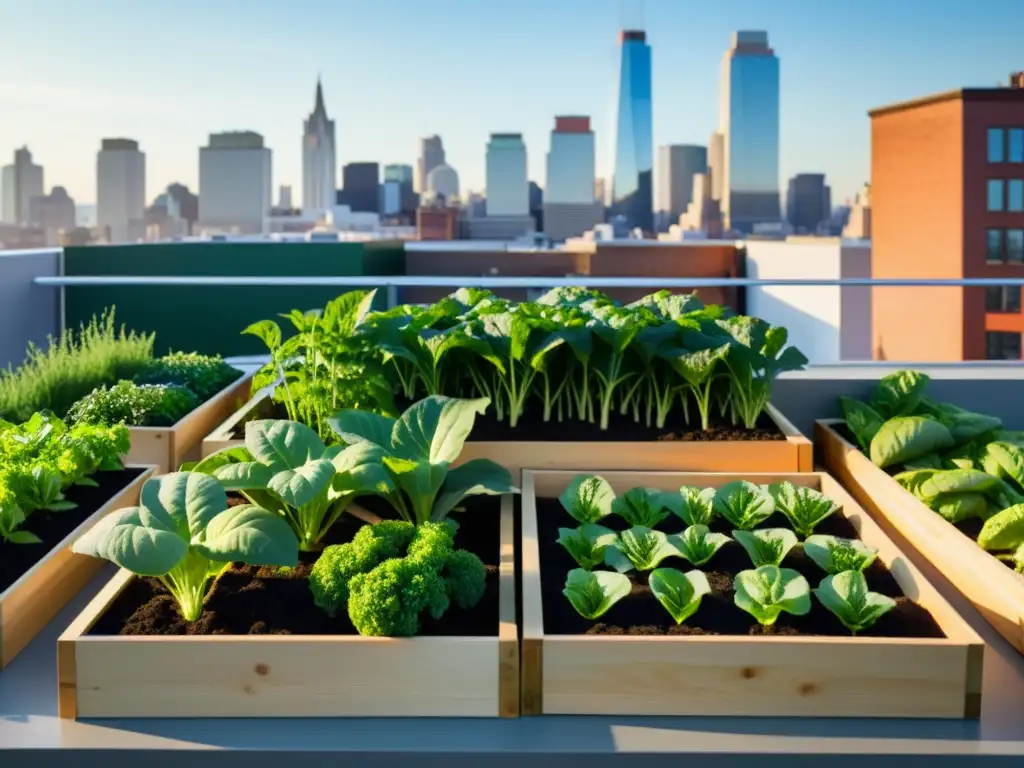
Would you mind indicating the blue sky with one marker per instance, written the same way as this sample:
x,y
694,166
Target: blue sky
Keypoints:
x,y
73,71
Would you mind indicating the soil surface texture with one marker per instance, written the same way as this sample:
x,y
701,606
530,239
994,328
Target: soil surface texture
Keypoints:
x,y
259,601
52,527
640,613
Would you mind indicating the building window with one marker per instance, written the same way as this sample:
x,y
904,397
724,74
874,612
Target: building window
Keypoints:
x,y
1015,246
1001,345
996,145
1015,195
1016,142
995,194
994,246
1004,298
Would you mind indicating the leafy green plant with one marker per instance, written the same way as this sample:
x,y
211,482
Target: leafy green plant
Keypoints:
x,y
644,507
696,506
184,534
640,548
204,375
804,507
134,405
698,544
908,437
592,593
587,544
1003,533
846,595
835,555
588,498
766,592
766,546
744,504
417,450
679,593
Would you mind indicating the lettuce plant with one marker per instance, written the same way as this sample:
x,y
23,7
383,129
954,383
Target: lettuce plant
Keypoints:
x,y
835,555
641,506
908,437
1003,533
847,596
588,498
696,506
744,504
766,546
804,507
184,534
592,593
616,328
417,451
698,544
639,548
587,544
679,593
766,592
862,420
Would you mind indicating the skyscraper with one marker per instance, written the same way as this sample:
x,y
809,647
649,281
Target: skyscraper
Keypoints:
x,y
569,205
235,183
716,165
402,175
431,156
319,158
507,186
808,202
121,190
634,142
749,121
21,181
361,187
677,165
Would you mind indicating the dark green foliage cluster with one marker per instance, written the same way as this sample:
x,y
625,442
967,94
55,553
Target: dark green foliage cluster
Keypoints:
x,y
136,405
204,375
393,572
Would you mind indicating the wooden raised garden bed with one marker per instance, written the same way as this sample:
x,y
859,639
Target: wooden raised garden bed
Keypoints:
x,y
105,674
996,590
38,594
801,668
168,447
779,448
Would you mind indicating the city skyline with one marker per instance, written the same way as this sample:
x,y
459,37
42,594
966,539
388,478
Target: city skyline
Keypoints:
x,y
835,65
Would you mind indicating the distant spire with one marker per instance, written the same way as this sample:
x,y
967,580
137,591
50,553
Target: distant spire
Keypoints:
x,y
319,108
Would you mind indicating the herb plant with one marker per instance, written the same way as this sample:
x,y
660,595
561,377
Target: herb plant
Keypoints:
x,y
587,544
766,546
203,375
134,405
680,593
846,594
184,534
804,507
588,498
698,544
835,555
744,504
766,592
640,548
592,593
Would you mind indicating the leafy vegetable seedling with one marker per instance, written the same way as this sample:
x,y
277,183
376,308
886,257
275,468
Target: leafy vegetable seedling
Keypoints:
x,y
680,593
835,555
846,595
804,507
744,504
184,534
593,593
639,548
766,592
588,498
766,546
1004,533
587,544
697,544
696,505
641,506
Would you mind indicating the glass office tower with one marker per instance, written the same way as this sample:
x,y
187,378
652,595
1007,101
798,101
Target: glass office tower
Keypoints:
x,y
634,141
749,120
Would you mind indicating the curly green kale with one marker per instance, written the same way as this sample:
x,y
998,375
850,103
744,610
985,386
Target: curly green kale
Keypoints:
x,y
387,601
465,578
135,405
204,375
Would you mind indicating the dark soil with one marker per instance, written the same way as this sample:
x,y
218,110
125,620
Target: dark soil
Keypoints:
x,y
639,613
259,601
52,527
266,409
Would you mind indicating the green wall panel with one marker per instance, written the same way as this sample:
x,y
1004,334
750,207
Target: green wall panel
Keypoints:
x,y
209,319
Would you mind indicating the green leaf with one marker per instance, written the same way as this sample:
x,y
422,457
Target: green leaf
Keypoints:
x,y
1010,457
301,485
420,481
956,481
363,427
251,535
593,593
588,498
145,541
912,480
189,499
587,544
266,331
766,592
834,555
957,507
639,548
22,537
244,476
474,478
1004,530
282,444
805,507
908,437
744,504
61,506
766,546
435,428
899,393
846,595
863,420
697,544
695,366
696,505
641,506
680,593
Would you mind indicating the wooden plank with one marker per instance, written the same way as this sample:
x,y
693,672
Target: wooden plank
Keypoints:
x,y
804,447
221,436
725,675
995,590
508,629
31,602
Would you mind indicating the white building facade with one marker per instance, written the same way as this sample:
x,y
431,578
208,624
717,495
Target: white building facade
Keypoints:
x,y
235,184
121,191
19,183
570,208
507,186
319,157
431,156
